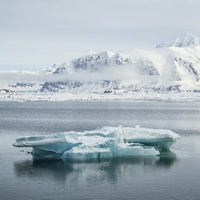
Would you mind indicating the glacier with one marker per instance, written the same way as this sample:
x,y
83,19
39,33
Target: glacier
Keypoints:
x,y
101,143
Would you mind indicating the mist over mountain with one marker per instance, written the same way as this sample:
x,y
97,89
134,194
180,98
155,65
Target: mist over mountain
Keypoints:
x,y
169,67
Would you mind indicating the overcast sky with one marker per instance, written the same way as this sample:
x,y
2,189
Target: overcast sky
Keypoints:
x,y
38,33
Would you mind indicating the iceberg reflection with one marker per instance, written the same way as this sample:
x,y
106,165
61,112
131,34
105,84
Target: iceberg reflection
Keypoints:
x,y
111,170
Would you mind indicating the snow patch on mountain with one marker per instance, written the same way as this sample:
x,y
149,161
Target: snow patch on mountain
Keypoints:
x,y
95,61
62,69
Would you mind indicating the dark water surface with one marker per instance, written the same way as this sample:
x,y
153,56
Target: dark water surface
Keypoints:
x,y
173,175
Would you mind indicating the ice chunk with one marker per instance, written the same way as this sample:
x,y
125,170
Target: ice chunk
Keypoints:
x,y
49,145
104,142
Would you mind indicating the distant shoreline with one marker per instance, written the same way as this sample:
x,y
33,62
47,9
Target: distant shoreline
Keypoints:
x,y
133,96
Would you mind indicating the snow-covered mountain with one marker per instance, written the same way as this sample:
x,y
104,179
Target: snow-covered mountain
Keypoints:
x,y
175,67
181,42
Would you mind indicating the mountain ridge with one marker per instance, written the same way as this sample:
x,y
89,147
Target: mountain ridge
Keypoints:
x,y
181,42
176,67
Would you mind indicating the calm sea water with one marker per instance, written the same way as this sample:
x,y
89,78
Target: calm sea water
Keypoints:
x,y
173,175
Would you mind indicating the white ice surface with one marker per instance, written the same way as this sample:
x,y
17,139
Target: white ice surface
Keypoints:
x,y
104,142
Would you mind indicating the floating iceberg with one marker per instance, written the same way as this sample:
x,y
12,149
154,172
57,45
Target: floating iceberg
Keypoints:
x,y
104,142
